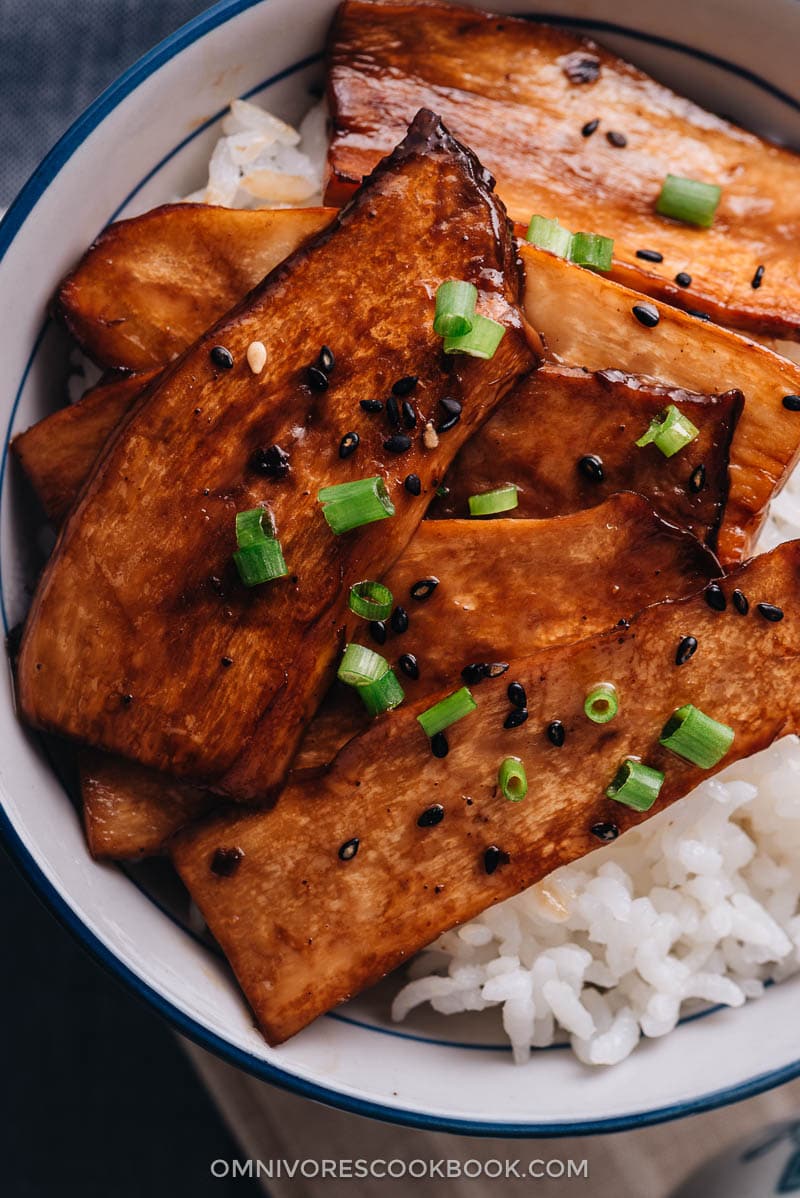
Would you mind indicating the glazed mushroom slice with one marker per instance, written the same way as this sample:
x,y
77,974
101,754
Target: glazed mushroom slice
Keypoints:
x,y
129,812
503,589
566,438
588,320
343,879
141,596
59,453
508,587
150,286
524,96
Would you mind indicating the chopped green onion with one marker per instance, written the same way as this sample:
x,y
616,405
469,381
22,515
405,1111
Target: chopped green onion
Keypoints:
x,y
636,785
360,665
601,704
513,780
260,562
250,528
455,308
592,250
689,200
548,234
489,503
669,432
372,600
447,711
694,736
481,342
382,694
349,505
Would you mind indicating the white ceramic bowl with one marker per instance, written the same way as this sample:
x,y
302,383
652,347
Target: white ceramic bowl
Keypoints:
x,y
145,141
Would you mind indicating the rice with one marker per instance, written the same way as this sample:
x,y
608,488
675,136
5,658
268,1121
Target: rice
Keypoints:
x,y
700,904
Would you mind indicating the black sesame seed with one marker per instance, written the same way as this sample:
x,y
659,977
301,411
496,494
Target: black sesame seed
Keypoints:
x,y
348,444
127,699
496,668
715,597
348,850
516,694
424,588
494,857
317,379
409,415
698,315
431,816
371,405
439,745
446,423
590,127
393,411
650,255
221,357
326,360
770,612
409,665
791,403
225,862
413,484
556,733
377,630
273,462
605,831
646,314
451,406
398,443
755,282
591,467
581,68
697,479
686,649
616,139
405,385
516,717
399,620
475,673
740,602
227,662
683,279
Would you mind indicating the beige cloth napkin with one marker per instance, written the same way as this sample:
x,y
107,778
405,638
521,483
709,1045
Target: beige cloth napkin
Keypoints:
x,y
270,1125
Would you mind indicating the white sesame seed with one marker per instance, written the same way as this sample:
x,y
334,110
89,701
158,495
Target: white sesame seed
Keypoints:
x,y
430,437
256,356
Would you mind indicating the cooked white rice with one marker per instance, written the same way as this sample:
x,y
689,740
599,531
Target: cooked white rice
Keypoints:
x,y
700,904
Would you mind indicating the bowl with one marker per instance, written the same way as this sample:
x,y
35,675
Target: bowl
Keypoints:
x,y
146,141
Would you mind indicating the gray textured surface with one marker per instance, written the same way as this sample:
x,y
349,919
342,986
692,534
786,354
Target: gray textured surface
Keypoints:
x,y
56,56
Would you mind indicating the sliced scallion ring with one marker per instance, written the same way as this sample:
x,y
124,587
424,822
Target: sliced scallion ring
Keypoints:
x,y
382,694
592,250
670,432
513,780
350,505
371,600
482,340
455,308
260,562
489,503
360,665
250,528
548,234
636,785
689,200
696,737
447,711
601,703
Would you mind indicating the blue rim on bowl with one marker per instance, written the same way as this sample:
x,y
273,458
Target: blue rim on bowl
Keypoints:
x,y
38,183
